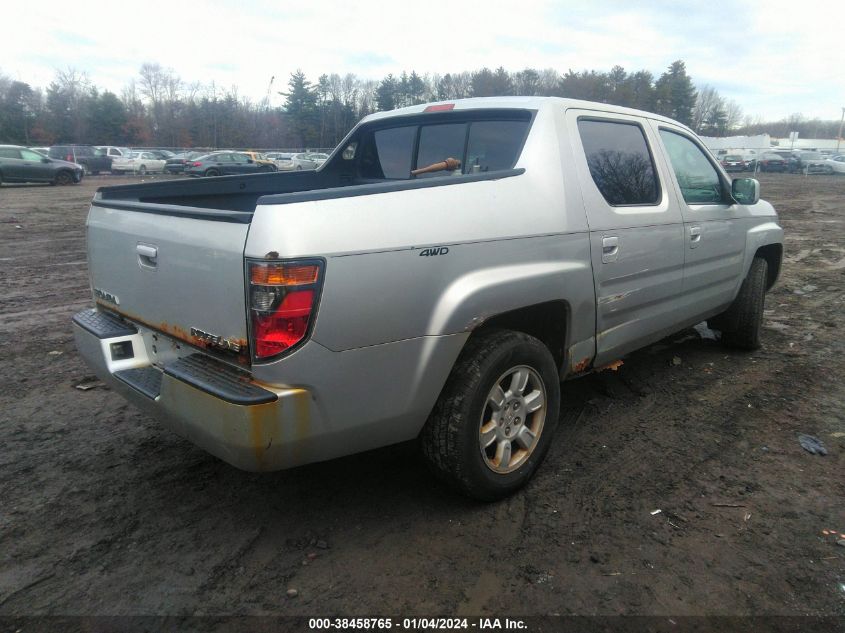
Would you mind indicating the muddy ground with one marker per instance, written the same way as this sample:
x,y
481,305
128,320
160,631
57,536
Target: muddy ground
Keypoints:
x,y
104,512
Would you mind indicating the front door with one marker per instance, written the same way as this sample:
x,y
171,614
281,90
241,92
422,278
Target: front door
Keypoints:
x,y
714,234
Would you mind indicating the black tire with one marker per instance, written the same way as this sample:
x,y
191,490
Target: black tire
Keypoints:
x,y
451,439
742,321
266,169
63,178
299,168
142,170
211,172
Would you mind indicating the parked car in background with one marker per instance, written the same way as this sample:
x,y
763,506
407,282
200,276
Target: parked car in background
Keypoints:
x,y
308,160
810,162
773,162
113,151
283,160
139,163
264,164
91,160
20,164
176,163
222,164
163,154
835,165
734,162
41,150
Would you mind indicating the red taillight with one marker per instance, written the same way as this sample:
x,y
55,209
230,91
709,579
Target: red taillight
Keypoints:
x,y
282,297
196,164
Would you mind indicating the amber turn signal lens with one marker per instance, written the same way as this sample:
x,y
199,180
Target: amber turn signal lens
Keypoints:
x,y
283,275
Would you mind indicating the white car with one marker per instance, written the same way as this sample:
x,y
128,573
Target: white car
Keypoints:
x,y
138,163
835,164
283,160
309,160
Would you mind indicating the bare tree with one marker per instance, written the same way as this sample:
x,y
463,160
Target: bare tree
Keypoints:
x,y
707,102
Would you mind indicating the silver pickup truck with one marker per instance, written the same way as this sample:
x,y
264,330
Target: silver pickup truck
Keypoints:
x,y
437,278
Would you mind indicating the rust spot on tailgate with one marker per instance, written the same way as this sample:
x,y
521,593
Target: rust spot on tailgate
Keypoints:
x,y
178,332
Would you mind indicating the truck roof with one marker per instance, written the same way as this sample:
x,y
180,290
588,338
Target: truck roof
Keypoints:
x,y
524,103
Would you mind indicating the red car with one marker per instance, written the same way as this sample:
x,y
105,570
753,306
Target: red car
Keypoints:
x,y
732,162
773,162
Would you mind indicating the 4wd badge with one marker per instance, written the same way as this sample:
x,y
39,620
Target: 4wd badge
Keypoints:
x,y
436,250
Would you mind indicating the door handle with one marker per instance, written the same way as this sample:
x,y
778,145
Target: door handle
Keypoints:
x,y
609,249
147,255
694,236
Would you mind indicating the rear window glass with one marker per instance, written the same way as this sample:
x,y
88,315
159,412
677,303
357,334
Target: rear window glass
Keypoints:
x,y
620,162
439,142
480,146
8,152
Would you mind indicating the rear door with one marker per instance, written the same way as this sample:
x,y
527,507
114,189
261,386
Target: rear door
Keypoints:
x,y
714,232
636,230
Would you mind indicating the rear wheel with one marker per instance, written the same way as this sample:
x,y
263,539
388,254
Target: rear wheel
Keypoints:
x,y
63,178
211,172
494,419
142,170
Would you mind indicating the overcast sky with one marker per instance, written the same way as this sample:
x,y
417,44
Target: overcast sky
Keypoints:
x,y
773,57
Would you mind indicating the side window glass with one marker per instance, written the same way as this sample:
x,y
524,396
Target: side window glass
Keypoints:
x,y
620,162
439,142
390,153
698,179
9,152
33,157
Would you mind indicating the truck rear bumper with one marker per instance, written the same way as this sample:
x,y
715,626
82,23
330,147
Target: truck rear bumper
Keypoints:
x,y
251,426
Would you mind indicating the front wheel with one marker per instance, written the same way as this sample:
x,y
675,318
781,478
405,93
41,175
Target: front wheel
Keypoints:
x,y
742,321
63,178
494,420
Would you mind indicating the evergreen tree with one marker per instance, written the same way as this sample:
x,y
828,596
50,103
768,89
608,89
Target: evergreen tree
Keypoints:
x,y
106,119
386,94
675,93
301,108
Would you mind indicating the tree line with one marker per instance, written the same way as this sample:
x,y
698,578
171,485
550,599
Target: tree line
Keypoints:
x,y
160,109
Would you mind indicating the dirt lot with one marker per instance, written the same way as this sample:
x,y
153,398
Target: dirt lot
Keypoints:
x,y
104,512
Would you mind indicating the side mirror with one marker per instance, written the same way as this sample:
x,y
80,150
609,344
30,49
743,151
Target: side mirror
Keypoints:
x,y
746,190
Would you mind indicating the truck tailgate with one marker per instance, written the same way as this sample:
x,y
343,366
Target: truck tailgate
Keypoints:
x,y
183,276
